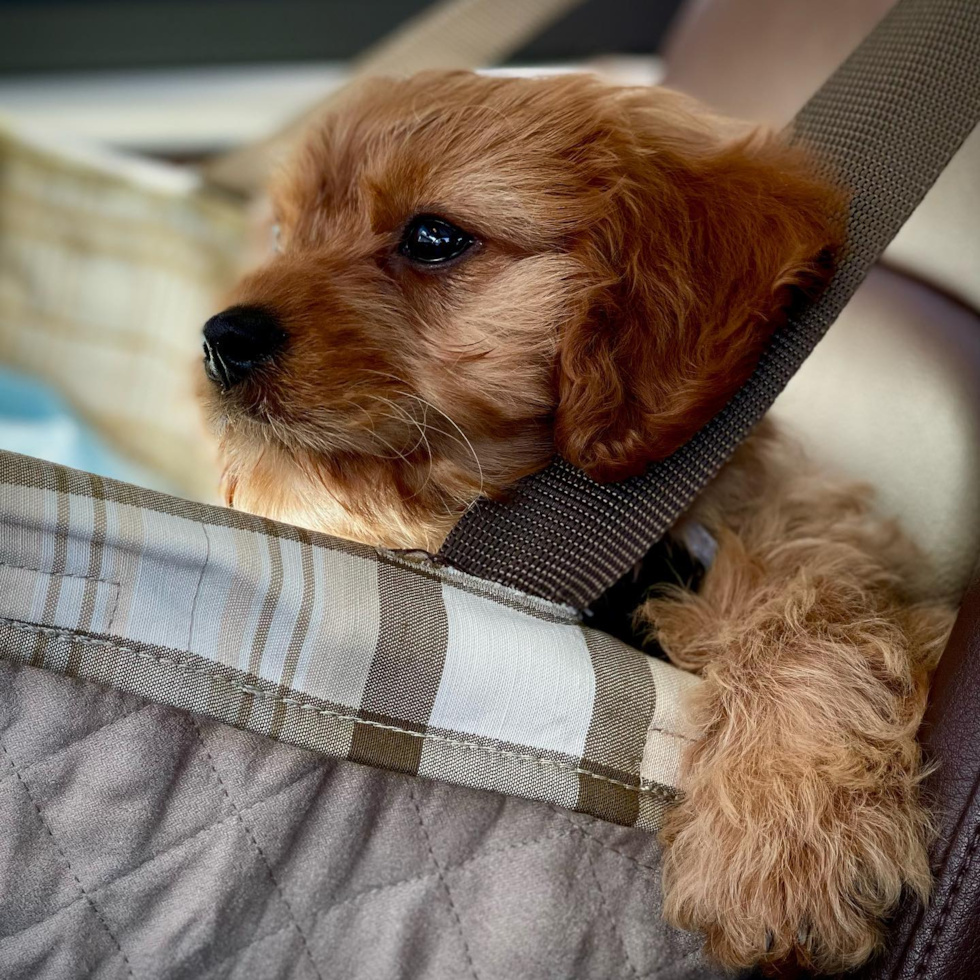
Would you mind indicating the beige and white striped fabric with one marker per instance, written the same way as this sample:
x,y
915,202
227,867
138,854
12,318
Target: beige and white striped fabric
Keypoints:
x,y
326,644
108,267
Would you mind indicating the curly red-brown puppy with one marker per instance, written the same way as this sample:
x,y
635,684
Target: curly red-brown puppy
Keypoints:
x,y
476,273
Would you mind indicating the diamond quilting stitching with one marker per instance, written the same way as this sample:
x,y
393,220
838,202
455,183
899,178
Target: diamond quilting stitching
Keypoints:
x,y
67,746
376,890
213,825
553,833
237,815
84,895
447,891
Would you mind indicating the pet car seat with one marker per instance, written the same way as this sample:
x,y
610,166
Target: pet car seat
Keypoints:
x,y
213,726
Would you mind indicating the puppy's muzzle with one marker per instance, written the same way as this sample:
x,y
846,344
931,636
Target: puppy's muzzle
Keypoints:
x,y
237,341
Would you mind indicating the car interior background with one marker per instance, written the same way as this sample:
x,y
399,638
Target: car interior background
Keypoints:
x,y
114,249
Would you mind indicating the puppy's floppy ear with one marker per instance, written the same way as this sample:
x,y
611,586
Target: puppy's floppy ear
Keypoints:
x,y
703,245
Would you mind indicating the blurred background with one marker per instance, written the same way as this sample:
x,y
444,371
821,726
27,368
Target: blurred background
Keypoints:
x,y
181,78
123,217
135,134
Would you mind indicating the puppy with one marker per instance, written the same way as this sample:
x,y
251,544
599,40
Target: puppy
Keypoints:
x,y
474,274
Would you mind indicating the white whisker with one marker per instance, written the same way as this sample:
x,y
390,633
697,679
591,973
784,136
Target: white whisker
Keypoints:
x,y
462,434
379,437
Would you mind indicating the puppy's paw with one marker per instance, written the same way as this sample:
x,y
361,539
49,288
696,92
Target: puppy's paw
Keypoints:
x,y
791,886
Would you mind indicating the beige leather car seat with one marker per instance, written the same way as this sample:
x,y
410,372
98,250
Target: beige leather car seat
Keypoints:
x,y
892,395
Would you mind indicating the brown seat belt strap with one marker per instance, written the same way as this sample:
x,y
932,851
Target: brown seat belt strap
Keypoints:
x,y
887,122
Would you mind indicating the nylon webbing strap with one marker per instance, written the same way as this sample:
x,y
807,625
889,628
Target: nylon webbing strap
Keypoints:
x,y
887,122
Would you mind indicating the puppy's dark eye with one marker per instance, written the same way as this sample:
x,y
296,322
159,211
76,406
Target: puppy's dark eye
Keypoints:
x,y
431,240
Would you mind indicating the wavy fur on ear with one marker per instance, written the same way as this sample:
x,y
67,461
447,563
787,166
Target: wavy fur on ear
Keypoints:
x,y
705,242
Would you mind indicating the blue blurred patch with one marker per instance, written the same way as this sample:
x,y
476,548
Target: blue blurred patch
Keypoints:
x,y
36,421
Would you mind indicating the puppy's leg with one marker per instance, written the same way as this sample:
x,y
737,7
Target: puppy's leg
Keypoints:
x,y
801,821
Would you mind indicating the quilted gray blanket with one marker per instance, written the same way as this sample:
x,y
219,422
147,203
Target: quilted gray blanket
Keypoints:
x,y
138,842
231,749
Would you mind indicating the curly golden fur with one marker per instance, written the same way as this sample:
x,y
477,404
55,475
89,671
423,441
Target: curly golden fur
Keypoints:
x,y
631,257
816,639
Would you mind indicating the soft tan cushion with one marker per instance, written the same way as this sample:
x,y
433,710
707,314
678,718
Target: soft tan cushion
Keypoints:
x,y
892,396
941,241
762,59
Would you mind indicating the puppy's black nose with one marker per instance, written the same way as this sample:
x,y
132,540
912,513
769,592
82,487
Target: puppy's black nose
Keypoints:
x,y
237,340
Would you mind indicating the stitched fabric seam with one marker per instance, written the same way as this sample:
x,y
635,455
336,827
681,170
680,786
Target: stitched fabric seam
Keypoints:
x,y
450,869
605,845
251,836
117,586
641,789
608,914
266,799
940,925
388,886
442,881
45,571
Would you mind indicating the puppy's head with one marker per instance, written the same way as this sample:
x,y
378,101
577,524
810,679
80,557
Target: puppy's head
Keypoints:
x,y
475,273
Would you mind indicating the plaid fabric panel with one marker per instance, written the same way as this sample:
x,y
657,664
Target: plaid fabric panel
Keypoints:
x,y
330,645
